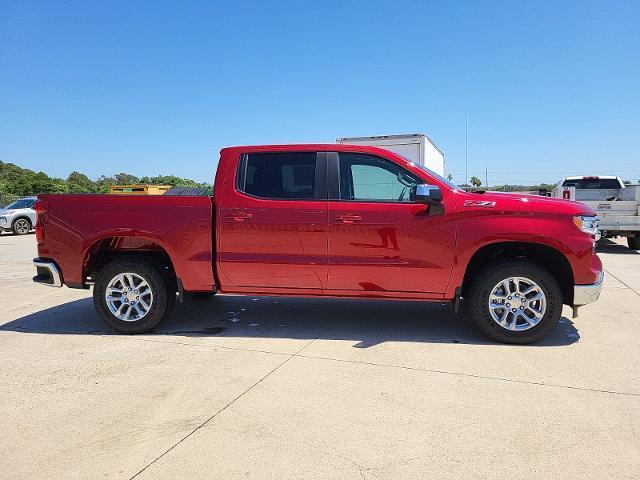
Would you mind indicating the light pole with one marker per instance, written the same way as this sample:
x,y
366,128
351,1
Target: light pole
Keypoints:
x,y
466,149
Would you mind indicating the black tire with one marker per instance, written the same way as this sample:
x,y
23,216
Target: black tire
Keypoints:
x,y
482,285
634,242
162,289
21,226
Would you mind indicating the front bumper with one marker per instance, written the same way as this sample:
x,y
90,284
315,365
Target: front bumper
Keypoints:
x,y
47,273
584,294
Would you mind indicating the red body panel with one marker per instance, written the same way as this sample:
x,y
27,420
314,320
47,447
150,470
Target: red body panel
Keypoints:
x,y
267,243
391,248
314,247
180,225
523,218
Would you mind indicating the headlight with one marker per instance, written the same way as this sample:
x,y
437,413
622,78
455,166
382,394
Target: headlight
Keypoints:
x,y
587,224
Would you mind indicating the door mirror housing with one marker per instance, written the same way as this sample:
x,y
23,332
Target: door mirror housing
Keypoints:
x,y
427,194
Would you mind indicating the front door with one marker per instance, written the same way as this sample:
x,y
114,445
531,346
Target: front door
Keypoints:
x,y
379,239
273,224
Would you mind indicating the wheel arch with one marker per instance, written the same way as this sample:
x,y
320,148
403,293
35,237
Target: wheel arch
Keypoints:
x,y
105,249
548,257
21,217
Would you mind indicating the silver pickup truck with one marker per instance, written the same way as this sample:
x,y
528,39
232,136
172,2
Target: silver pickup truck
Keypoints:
x,y
617,204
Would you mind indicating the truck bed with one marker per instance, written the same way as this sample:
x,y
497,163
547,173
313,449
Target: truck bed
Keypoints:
x,y
181,226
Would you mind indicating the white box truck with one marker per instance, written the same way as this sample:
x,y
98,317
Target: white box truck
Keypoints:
x,y
417,147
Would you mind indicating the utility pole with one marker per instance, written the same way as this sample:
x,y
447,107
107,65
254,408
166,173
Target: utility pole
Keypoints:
x,y
466,149
486,177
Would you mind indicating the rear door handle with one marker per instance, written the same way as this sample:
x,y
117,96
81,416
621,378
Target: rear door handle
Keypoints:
x,y
349,218
240,216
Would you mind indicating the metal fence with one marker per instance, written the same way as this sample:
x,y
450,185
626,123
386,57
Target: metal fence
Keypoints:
x,y
528,189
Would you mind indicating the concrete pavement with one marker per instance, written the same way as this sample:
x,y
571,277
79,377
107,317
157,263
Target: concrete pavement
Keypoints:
x,y
256,387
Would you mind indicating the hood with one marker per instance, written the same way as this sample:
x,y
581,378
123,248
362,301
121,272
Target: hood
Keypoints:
x,y
527,203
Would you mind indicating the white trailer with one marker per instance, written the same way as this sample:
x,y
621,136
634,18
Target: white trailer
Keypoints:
x,y
417,147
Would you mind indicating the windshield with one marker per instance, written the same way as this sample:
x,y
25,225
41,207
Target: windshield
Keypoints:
x,y
432,173
593,183
22,203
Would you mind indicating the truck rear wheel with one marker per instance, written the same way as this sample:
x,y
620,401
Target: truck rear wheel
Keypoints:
x,y
132,296
634,242
515,301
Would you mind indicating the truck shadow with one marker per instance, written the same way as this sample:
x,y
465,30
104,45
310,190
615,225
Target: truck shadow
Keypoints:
x,y
605,245
365,322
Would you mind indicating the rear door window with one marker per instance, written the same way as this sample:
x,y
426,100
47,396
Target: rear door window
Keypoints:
x,y
278,176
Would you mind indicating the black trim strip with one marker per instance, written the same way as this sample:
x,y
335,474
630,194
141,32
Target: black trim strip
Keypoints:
x,y
320,187
333,176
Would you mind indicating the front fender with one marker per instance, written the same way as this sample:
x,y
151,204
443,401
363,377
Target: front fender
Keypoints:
x,y
480,229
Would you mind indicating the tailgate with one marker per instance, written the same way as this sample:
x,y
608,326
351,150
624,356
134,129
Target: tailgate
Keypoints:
x,y
614,207
617,215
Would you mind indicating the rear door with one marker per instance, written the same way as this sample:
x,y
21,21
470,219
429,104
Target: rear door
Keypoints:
x,y
379,239
273,224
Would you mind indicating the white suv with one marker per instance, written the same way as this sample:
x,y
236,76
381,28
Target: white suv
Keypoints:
x,y
19,217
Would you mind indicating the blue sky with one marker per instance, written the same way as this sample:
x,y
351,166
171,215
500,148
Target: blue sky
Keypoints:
x,y
550,87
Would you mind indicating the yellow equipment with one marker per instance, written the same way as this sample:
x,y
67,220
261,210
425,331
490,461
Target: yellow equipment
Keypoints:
x,y
138,189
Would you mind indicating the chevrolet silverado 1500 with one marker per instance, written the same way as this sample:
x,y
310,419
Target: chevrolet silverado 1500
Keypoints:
x,y
325,220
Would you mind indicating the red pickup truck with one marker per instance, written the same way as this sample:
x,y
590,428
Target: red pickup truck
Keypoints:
x,y
325,220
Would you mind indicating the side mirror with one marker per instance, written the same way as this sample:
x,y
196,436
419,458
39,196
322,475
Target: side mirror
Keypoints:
x,y
427,194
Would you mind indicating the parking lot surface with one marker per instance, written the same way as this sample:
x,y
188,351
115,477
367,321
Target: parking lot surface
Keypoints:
x,y
255,387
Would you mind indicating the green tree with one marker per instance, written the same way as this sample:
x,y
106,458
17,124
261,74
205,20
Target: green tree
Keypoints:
x,y
79,183
17,181
171,180
126,179
475,181
449,177
102,184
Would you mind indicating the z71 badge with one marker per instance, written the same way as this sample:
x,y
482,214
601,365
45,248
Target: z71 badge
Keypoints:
x,y
479,203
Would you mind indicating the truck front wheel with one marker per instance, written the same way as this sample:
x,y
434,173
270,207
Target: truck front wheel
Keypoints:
x,y
515,301
634,242
132,296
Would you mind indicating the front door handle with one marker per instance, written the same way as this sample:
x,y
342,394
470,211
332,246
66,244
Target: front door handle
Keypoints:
x,y
240,216
349,218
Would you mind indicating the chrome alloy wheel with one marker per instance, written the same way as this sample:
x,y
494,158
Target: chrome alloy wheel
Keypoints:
x,y
129,297
22,226
517,303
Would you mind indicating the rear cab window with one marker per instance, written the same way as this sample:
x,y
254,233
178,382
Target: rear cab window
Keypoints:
x,y
593,183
